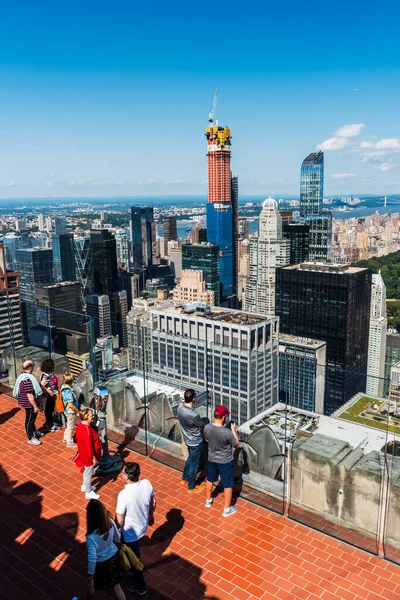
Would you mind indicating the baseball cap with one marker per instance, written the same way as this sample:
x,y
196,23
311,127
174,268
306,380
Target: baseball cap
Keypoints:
x,y
221,411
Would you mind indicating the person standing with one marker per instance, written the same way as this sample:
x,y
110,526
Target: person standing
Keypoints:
x,y
135,511
28,392
192,431
221,440
89,452
102,541
49,384
71,408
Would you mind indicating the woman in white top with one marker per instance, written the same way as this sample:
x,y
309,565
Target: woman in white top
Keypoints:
x,y
102,537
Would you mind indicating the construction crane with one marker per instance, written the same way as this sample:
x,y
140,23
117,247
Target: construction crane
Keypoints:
x,y
214,105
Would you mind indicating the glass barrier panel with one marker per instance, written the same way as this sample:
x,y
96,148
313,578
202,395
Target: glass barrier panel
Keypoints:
x,y
337,462
392,500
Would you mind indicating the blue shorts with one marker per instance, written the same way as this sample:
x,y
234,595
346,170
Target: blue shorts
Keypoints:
x,y
225,472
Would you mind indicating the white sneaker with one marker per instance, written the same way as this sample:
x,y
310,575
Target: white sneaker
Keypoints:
x,y
92,496
92,488
229,511
34,441
209,502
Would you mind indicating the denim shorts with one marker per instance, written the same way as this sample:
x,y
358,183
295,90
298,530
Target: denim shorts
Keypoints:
x,y
225,472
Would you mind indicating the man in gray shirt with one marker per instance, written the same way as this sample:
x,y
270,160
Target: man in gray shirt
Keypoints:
x,y
192,430
221,440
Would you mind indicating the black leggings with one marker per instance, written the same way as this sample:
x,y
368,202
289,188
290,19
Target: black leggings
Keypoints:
x,y
30,418
49,410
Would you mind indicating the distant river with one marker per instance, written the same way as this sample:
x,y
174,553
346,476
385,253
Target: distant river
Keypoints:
x,y
185,228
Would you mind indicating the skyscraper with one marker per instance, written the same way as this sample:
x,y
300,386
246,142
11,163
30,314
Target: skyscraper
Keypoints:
x,y
312,184
302,367
84,265
377,337
104,256
10,306
170,231
12,243
60,305
330,303
122,242
199,234
35,266
142,231
63,257
299,239
204,257
267,252
98,308
193,288
235,353
235,232
220,214
311,208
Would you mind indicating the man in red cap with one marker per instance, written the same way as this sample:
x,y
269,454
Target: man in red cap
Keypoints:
x,y
221,440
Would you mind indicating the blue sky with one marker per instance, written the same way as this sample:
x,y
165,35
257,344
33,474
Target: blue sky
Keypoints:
x,y
103,99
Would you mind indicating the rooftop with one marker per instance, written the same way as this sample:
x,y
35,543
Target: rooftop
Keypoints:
x,y
189,554
324,267
215,313
300,341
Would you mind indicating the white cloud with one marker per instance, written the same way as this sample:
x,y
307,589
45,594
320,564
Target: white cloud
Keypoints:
x,y
388,144
333,143
367,145
348,131
385,167
343,175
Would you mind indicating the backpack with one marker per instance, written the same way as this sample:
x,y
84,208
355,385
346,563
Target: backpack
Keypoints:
x,y
59,404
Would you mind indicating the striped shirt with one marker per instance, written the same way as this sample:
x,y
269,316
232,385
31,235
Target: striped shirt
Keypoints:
x,y
25,388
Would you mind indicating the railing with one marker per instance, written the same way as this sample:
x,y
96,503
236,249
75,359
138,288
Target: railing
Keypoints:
x,y
339,474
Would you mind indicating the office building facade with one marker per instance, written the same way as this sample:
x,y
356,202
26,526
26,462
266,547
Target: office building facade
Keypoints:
x,y
267,252
193,288
63,257
299,241
330,303
233,355
84,265
104,260
204,257
311,208
392,356
10,306
302,366
170,230
122,242
34,266
143,237
98,308
377,337
59,305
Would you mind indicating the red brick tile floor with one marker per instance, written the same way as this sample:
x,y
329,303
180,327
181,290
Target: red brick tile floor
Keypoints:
x,y
190,553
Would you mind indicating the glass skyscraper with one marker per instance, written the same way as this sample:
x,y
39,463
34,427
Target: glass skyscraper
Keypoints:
x,y
142,230
311,208
35,266
204,257
312,184
330,303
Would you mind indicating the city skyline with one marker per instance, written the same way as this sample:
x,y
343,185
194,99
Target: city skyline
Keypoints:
x,y
91,103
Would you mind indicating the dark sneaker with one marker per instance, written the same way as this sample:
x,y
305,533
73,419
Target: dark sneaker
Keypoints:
x,y
133,590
